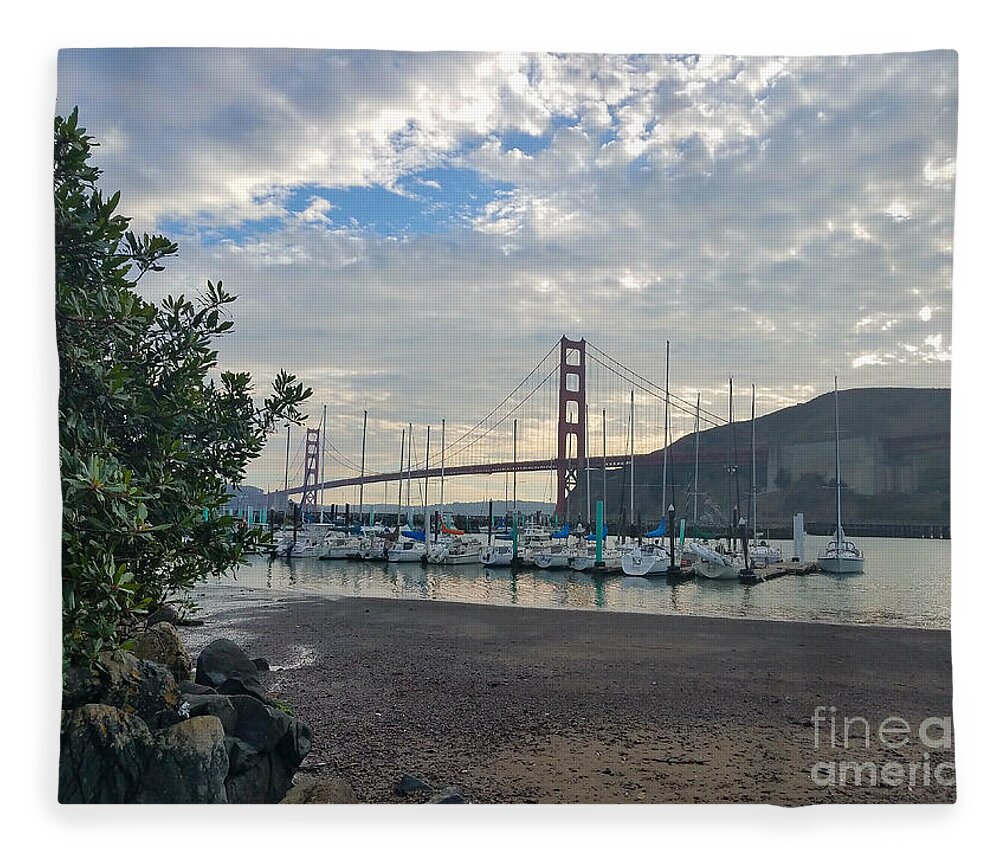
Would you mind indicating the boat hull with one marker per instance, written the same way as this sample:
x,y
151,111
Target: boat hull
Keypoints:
x,y
840,564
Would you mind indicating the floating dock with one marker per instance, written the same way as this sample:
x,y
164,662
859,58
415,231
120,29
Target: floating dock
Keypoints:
x,y
776,571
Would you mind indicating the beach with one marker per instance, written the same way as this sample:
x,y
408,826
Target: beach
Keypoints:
x,y
556,705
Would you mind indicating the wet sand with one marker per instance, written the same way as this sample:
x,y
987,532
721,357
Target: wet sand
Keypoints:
x,y
538,705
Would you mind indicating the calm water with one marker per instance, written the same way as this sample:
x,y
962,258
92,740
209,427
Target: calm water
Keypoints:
x,y
906,583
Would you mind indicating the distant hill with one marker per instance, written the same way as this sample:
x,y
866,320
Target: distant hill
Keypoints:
x,y
895,452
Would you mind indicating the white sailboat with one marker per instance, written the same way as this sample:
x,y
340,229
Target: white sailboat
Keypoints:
x,y
842,555
760,552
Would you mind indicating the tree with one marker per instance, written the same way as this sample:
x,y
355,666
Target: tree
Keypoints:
x,y
151,433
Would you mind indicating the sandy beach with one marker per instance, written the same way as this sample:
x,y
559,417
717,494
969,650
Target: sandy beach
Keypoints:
x,y
548,706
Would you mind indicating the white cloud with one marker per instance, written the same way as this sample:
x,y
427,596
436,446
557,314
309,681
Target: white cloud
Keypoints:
x,y
775,216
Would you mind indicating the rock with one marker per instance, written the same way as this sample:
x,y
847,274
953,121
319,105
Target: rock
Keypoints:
x,y
164,613
410,784
320,790
190,688
139,687
81,685
161,644
261,664
265,749
187,764
449,794
103,755
214,705
223,665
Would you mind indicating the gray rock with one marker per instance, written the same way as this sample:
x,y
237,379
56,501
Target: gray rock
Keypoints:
x,y
213,705
261,664
410,784
224,666
161,644
265,749
449,794
103,755
190,688
139,687
187,764
255,777
164,613
320,790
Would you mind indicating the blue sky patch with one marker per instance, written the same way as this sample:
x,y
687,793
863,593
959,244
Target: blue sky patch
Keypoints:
x,y
428,201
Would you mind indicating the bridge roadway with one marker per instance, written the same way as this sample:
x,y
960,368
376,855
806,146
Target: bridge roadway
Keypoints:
x,y
614,461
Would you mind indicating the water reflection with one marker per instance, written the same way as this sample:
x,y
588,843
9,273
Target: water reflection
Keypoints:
x,y
906,583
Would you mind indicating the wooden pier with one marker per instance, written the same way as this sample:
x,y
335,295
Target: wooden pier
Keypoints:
x,y
776,571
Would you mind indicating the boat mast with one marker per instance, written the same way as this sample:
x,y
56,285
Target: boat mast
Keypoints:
x,y
666,424
427,478
732,467
361,486
399,502
442,467
586,412
515,472
604,459
836,413
409,475
697,452
322,467
631,459
753,462
288,448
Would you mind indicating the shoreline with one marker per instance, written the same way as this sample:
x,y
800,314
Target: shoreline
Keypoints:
x,y
524,704
306,593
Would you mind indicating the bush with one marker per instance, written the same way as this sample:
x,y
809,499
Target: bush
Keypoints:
x,y
151,434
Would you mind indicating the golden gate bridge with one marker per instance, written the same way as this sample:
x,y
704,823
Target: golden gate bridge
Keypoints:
x,y
555,420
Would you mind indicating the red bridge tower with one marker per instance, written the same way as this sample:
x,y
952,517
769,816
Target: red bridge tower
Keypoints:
x,y
572,419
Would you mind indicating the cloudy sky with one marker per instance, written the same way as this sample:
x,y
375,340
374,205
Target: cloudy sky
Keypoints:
x,y
411,232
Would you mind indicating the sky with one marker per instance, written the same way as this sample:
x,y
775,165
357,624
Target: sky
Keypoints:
x,y
411,232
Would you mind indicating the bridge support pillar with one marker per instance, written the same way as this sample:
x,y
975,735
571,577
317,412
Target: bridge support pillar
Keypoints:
x,y
571,442
311,472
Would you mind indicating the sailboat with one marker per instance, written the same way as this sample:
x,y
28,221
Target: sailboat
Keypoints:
x,y
653,559
722,562
842,555
761,552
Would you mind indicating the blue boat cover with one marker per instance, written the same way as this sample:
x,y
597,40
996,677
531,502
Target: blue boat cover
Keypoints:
x,y
562,533
592,537
419,537
659,531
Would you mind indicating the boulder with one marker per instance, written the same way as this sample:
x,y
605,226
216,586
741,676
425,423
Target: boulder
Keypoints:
x,y
190,688
214,705
103,755
320,790
187,764
161,644
139,687
164,613
261,664
448,794
410,784
224,666
265,749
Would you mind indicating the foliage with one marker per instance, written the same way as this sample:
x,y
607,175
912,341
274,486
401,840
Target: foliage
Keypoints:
x,y
151,433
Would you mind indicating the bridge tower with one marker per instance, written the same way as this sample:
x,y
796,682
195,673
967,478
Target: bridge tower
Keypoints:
x,y
572,423
311,473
